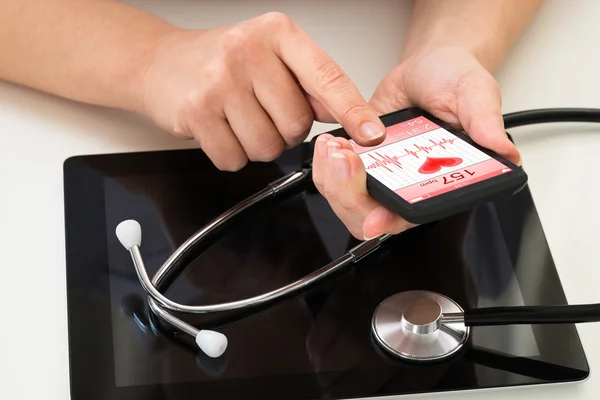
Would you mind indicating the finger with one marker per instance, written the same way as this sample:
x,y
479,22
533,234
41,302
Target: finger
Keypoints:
x,y
283,100
381,220
253,128
319,162
389,95
339,174
323,79
480,114
345,188
219,143
320,112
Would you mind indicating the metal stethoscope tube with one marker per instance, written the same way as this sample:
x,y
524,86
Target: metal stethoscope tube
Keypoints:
x,y
213,343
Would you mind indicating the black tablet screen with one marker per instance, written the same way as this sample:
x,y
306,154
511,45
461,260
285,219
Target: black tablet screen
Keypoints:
x,y
323,331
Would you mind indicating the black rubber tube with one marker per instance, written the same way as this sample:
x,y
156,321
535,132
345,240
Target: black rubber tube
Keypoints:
x,y
534,315
523,315
547,115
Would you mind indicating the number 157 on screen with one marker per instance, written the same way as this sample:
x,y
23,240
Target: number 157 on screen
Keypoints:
x,y
457,176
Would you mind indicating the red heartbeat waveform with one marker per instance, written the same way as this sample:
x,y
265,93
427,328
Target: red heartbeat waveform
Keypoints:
x,y
384,160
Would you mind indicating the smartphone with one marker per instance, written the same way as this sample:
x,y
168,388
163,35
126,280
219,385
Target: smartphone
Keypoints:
x,y
426,170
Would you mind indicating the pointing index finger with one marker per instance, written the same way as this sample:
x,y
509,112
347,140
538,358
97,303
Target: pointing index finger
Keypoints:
x,y
324,80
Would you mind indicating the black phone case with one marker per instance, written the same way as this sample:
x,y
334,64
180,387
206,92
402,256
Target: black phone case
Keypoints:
x,y
447,204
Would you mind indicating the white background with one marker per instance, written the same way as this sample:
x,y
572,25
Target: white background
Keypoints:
x,y
556,64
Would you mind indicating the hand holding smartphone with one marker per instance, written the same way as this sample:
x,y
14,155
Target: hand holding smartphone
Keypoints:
x,y
426,170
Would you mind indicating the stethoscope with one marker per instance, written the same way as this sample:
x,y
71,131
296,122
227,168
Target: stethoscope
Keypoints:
x,y
418,326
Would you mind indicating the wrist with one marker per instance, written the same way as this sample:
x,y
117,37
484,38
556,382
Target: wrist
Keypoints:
x,y
488,59
149,50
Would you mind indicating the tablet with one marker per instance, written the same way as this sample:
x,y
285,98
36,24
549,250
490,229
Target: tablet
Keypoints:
x,y
316,344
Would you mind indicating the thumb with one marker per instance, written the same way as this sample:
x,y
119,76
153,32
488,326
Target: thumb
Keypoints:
x,y
389,96
480,114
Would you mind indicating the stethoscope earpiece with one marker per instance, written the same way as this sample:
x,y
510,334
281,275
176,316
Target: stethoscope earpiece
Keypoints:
x,y
212,343
129,233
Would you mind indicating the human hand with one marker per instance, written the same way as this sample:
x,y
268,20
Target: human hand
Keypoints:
x,y
449,83
249,90
340,176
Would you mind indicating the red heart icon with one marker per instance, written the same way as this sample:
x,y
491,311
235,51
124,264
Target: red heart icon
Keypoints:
x,y
434,164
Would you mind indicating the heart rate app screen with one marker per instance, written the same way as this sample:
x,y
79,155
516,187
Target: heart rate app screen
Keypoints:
x,y
419,160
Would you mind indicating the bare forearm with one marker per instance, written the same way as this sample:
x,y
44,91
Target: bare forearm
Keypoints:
x,y
93,51
487,28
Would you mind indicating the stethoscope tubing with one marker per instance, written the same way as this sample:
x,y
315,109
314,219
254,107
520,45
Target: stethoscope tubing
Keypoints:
x,y
354,255
159,304
526,315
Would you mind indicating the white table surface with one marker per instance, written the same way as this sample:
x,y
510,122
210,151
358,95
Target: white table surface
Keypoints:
x,y
556,64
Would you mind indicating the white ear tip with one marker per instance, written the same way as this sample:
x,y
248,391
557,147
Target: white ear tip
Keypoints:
x,y
212,343
129,233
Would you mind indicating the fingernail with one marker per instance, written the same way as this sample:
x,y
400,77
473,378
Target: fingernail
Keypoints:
x,y
322,146
341,165
332,147
370,130
520,162
372,236
365,237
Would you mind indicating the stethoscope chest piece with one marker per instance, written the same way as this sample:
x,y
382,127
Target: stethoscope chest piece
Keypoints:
x,y
409,325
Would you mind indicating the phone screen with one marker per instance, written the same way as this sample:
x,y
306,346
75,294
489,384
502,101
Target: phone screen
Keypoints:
x,y
419,160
